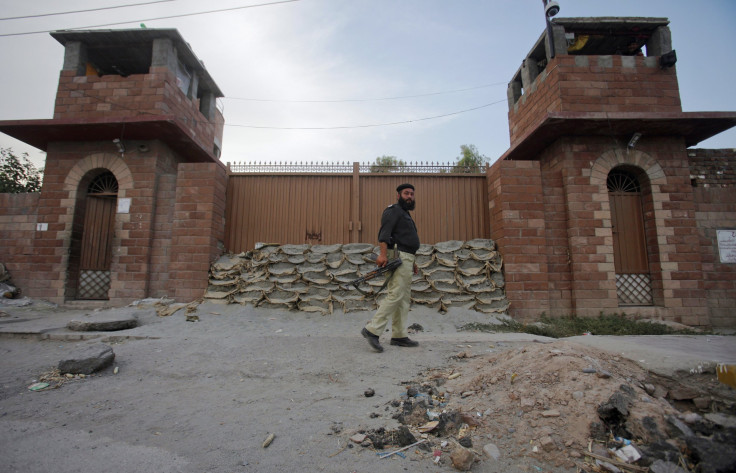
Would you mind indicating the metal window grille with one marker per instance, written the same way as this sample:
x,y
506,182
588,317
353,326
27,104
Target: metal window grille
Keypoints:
x,y
93,284
634,289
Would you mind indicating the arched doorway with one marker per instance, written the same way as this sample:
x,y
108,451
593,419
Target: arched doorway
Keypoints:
x,y
98,224
631,261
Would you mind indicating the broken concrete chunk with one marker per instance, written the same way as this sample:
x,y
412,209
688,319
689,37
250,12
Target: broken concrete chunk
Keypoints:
x,y
492,451
358,438
462,459
547,443
103,323
88,360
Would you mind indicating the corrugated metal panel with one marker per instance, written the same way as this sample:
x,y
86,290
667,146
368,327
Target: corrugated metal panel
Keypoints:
x,y
320,208
449,207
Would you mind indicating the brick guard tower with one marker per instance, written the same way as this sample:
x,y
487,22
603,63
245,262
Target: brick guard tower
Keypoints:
x,y
593,206
132,203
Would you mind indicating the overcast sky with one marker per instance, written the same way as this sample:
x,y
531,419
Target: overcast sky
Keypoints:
x,y
415,79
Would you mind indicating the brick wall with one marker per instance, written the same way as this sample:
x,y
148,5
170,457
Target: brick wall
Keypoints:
x,y
197,228
17,231
516,202
110,96
713,176
595,84
161,247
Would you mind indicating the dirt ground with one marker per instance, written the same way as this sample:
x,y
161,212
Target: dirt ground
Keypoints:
x,y
203,396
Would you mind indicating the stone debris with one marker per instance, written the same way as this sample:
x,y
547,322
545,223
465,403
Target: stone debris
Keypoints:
x,y
87,360
312,278
7,289
555,415
101,322
462,459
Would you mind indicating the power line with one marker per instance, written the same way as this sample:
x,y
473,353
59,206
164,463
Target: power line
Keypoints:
x,y
369,100
83,11
366,126
343,127
153,19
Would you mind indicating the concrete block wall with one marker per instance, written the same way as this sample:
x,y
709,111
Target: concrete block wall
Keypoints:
x,y
595,84
90,97
713,176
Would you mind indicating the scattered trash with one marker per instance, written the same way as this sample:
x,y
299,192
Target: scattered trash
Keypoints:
x,y
429,426
386,455
453,376
622,440
38,386
437,454
628,454
116,370
192,318
268,440
513,377
727,374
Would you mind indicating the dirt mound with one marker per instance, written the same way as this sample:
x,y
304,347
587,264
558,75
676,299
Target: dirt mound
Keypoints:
x,y
556,403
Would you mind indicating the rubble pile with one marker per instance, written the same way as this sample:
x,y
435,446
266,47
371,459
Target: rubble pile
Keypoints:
x,y
7,289
314,278
567,407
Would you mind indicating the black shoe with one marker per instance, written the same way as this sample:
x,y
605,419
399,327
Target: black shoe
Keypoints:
x,y
372,340
404,342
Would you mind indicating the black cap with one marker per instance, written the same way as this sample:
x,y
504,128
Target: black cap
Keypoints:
x,y
404,186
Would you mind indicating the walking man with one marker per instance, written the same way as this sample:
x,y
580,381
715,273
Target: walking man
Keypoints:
x,y
397,235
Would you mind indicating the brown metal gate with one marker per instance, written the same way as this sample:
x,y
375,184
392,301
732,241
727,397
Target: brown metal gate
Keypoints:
x,y
345,206
631,261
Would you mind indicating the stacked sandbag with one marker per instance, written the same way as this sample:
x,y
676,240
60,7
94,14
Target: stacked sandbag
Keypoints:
x,y
314,278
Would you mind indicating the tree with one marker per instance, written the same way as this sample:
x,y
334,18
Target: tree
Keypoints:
x,y
388,164
470,160
18,175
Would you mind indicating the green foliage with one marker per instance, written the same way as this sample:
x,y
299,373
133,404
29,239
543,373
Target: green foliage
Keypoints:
x,y
570,326
387,164
18,175
470,160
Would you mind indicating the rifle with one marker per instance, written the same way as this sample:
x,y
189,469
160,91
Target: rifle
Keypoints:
x,y
390,266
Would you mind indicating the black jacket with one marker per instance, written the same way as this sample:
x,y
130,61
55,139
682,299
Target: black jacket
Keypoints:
x,y
397,227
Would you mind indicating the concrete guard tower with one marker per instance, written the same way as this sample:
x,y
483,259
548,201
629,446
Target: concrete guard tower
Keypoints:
x,y
593,205
132,202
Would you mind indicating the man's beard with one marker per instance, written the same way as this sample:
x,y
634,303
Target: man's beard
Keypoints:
x,y
407,205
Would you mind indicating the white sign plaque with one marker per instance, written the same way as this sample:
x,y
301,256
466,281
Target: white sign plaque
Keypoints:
x,y
124,205
727,245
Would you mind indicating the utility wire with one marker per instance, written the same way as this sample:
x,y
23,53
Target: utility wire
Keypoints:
x,y
344,127
153,19
83,11
366,126
368,100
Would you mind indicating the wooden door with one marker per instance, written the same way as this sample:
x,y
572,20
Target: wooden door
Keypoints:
x,y
631,260
97,238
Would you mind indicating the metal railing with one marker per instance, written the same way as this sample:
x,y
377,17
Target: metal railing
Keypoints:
x,y
329,167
